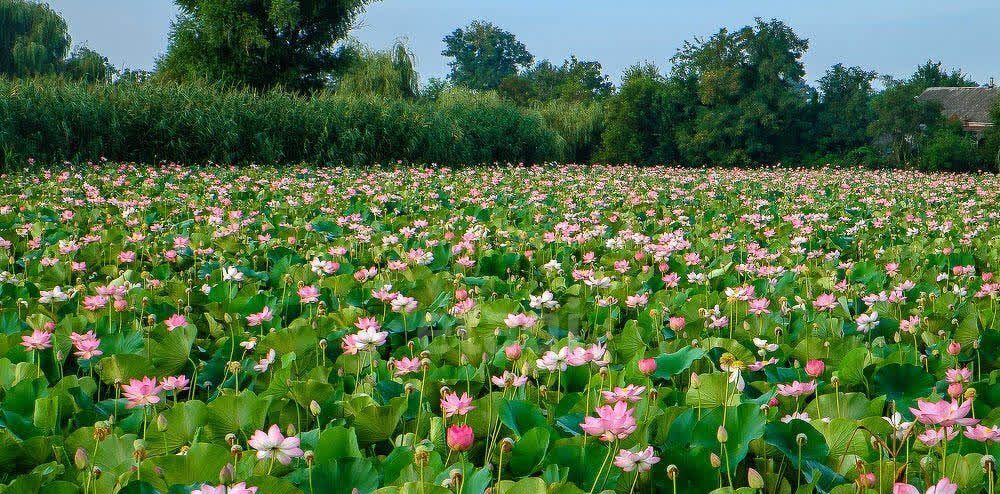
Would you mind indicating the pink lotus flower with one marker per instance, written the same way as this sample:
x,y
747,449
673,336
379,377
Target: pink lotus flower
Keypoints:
x,y
931,437
175,321
982,433
452,404
259,318
826,301
37,340
512,352
174,383
406,365
308,294
943,413
641,461
86,345
612,422
759,306
815,368
647,366
141,392
274,445
519,320
944,486
460,437
797,388
629,394
509,379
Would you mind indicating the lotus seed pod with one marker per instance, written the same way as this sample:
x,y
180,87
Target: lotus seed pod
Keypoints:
x,y
801,439
309,456
988,463
506,444
672,470
230,439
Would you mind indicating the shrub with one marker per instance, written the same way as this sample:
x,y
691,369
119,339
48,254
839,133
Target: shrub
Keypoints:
x,y
53,119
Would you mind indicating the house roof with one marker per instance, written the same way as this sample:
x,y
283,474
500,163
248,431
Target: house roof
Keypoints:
x,y
968,104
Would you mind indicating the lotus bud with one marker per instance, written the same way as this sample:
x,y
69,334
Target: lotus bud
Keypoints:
x,y
695,380
314,408
161,422
81,458
754,479
647,366
970,394
513,352
672,470
158,471
227,474
455,476
715,460
97,472
721,435
954,348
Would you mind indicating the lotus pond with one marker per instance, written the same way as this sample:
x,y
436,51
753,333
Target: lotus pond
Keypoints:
x,y
512,330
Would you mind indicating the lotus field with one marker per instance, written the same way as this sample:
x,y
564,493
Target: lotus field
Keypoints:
x,y
518,330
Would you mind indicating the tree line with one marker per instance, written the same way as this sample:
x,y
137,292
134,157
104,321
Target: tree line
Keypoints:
x,y
734,98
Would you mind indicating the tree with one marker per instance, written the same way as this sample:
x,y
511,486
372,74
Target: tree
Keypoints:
x,y
902,123
640,119
484,55
259,43
88,65
387,73
33,39
748,95
932,74
574,80
845,110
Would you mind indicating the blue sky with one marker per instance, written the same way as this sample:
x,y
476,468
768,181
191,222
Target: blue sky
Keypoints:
x,y
890,36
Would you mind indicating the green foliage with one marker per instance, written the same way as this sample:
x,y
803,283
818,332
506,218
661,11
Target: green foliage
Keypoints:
x,y
135,121
845,110
578,124
33,38
259,43
484,55
749,95
948,150
640,119
389,73
574,80
88,65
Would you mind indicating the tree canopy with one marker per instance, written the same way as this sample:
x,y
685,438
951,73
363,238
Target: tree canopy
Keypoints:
x,y
484,55
259,43
33,39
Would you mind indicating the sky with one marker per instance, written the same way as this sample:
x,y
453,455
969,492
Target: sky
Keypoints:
x,y
889,36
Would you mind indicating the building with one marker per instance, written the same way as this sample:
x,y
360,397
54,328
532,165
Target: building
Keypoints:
x,y
969,105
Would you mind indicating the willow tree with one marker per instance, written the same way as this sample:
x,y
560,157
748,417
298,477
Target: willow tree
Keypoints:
x,y
259,43
33,39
